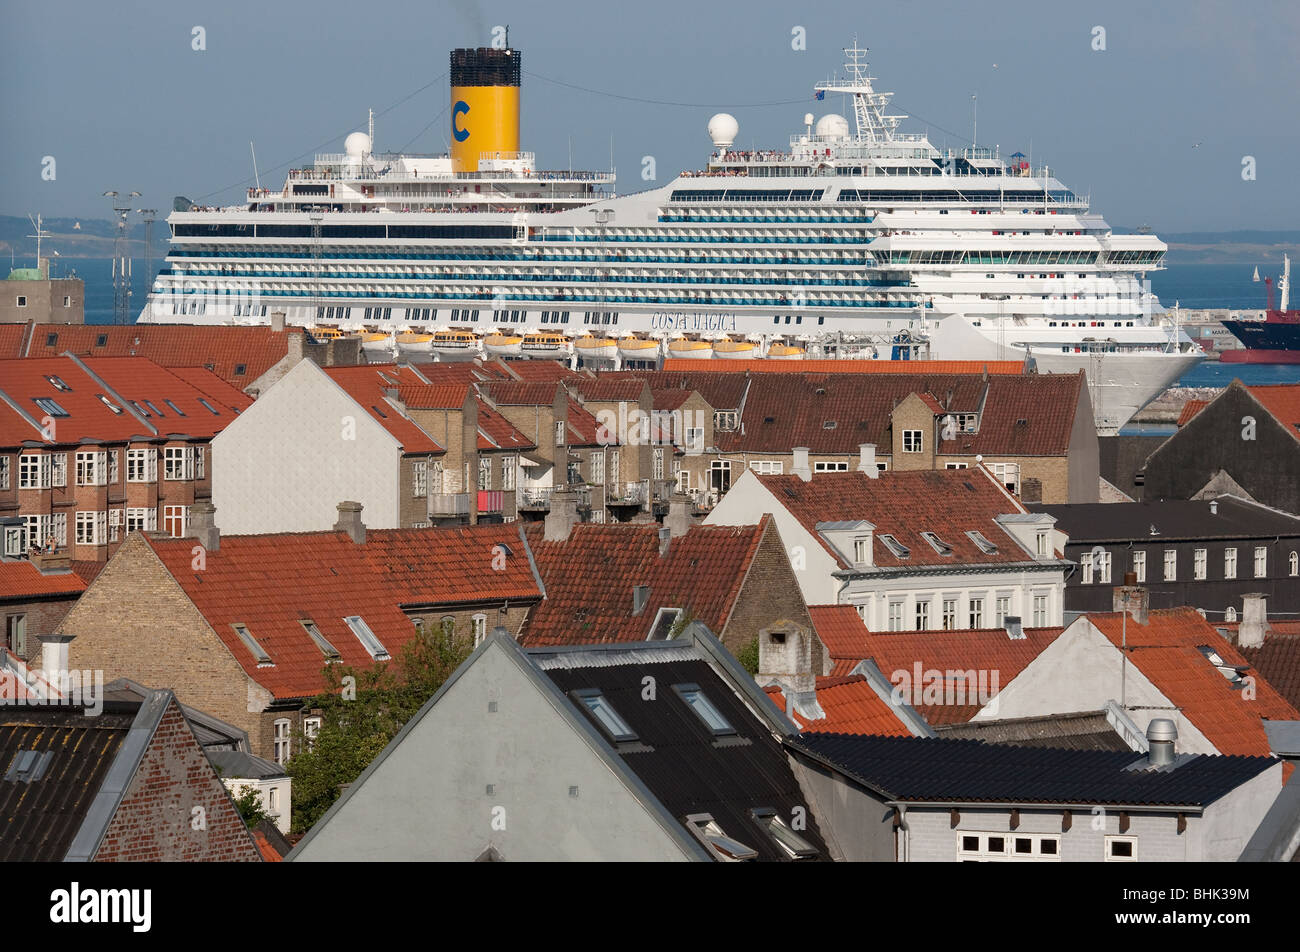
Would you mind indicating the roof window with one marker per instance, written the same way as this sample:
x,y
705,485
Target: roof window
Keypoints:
x,y
328,650
366,637
943,548
603,713
899,550
987,547
251,644
790,842
698,702
50,406
722,847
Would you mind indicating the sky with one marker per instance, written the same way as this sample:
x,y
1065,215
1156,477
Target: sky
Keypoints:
x,y
1155,127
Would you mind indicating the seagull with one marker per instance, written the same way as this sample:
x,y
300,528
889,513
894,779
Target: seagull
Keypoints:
x,y
77,226
1197,146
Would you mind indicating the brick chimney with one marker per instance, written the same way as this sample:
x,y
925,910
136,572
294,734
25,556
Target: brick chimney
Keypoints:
x,y
350,521
678,520
1254,620
1132,598
203,526
562,517
801,467
867,460
785,659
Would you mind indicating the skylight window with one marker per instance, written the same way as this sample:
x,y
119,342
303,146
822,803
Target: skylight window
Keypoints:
x,y
57,383
698,702
50,406
28,766
207,406
367,637
154,409
603,713
665,619
378,412
899,550
723,847
139,409
790,842
174,408
943,548
987,547
255,649
109,403
328,650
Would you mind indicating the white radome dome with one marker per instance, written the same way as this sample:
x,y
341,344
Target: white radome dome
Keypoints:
x,y
357,144
723,129
832,125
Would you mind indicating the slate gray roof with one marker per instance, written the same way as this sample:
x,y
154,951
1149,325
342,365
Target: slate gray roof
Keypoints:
x,y
240,765
1085,731
919,770
1174,519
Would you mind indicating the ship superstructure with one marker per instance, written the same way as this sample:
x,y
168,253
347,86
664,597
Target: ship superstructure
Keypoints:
x,y
863,242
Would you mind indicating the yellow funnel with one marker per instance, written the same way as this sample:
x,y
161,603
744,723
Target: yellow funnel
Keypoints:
x,y
484,105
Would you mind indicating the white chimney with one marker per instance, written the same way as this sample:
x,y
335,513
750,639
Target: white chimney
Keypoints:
x,y
867,460
54,660
801,467
1254,620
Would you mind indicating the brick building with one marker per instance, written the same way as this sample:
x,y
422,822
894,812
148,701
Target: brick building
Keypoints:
x,y
35,595
91,449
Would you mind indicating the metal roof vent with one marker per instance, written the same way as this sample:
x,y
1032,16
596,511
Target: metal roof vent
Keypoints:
x,y
1162,733
1214,507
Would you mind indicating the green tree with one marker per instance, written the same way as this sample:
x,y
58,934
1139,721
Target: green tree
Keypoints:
x,y
748,656
249,805
354,732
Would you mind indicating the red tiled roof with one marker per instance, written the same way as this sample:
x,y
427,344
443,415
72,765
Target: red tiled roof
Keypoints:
x,y
425,396
590,576
1190,409
1283,402
988,650
669,399
495,432
459,371
366,385
584,430
1167,651
851,705
13,339
722,391
270,582
1002,367
513,393
22,579
89,418
256,348
1278,659
536,370
607,389
269,854
88,571
904,504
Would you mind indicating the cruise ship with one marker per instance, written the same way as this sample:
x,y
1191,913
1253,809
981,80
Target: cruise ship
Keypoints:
x,y
855,241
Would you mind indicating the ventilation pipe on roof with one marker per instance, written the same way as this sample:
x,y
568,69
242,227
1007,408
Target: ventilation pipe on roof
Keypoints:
x,y
867,460
203,526
801,467
350,521
1162,734
1254,620
1132,598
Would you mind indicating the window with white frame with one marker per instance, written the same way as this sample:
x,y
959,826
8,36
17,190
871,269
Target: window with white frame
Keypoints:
x,y
1103,567
1121,849
912,441
91,527
1040,543
1230,563
598,467
200,467
1040,611
683,477
862,550
1003,606
280,741
176,520
420,478
1261,561
141,520
112,468
559,432
485,472
830,467
1140,566
1085,568
178,463
142,465
976,613
311,730
480,628
956,465
33,471
1293,564
438,477
508,464
615,458
1199,560
115,519
92,468
657,463
720,475
4,472
1008,475
949,614
1171,565
895,615
922,614
724,420
973,847
45,529
59,469
694,439
767,467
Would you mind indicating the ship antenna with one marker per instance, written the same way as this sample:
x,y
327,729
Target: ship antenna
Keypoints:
x,y
371,130
873,124
256,178
40,233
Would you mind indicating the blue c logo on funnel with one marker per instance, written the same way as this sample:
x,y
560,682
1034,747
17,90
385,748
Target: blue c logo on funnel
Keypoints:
x,y
460,109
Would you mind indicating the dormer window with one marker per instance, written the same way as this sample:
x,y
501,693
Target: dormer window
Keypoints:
x,y
1040,544
862,550
899,550
943,548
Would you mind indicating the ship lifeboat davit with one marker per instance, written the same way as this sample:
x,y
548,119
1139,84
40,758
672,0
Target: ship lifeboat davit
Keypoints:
x,y
412,344
685,347
728,349
784,351
503,345
380,345
592,347
452,343
545,346
638,348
